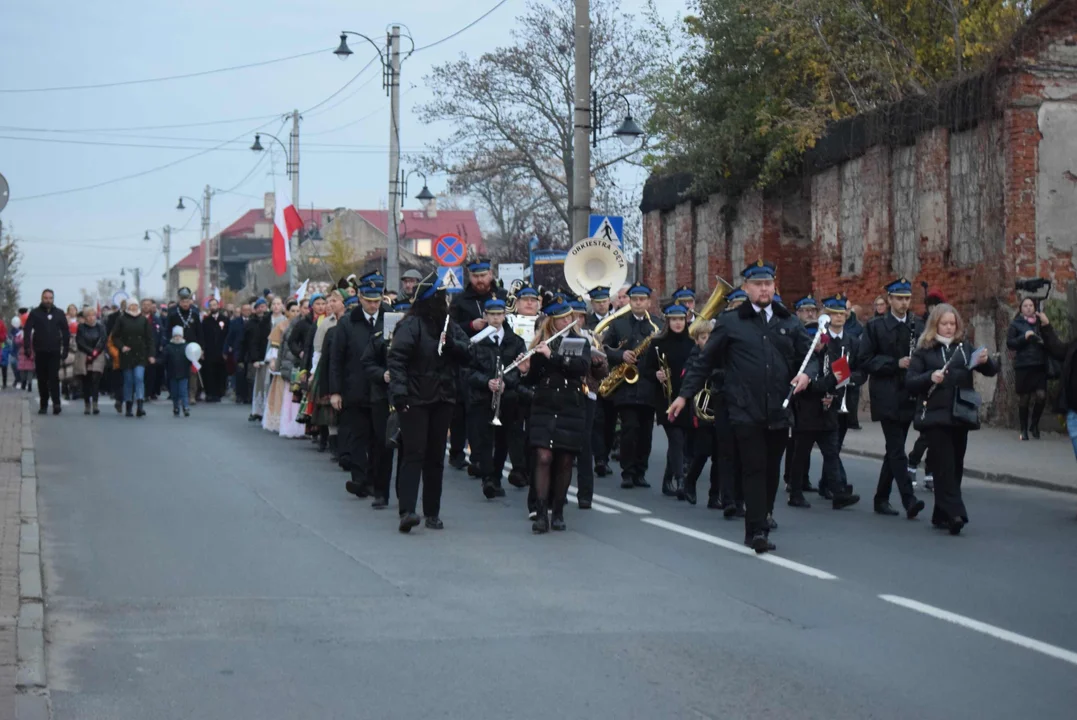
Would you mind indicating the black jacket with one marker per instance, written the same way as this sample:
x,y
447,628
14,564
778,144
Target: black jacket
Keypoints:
x,y
853,326
48,332
760,361
135,333
375,365
192,330
593,320
91,340
214,333
811,415
468,306
418,375
1030,352
256,338
627,333
676,348
558,406
938,409
1065,353
346,374
483,368
885,341
179,367
300,338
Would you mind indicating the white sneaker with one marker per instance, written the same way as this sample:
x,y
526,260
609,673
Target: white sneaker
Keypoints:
x,y
929,482
533,515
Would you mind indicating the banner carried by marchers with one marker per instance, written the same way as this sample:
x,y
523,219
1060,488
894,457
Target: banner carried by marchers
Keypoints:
x,y
286,221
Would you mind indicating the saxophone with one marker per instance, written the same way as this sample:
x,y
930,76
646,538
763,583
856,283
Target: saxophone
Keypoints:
x,y
625,373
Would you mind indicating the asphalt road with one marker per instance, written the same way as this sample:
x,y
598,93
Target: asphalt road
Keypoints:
x,y
203,568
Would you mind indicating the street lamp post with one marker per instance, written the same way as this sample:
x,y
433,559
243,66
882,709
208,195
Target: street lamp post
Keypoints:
x,y
166,247
390,61
291,157
207,194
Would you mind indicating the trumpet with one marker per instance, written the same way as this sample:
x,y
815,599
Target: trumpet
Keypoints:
x,y
495,401
844,410
667,384
444,331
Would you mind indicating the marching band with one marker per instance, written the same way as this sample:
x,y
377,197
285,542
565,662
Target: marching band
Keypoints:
x,y
545,382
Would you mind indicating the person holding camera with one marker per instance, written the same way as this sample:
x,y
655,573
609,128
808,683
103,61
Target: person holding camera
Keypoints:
x,y
1030,367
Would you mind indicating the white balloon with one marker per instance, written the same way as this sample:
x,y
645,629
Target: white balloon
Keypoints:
x,y
193,352
16,322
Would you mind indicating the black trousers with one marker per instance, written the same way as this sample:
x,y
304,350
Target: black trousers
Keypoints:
x,y
585,463
895,465
707,444
829,445
761,451
458,427
852,404
243,385
90,384
919,448
425,429
946,451
604,430
514,415
790,453
215,377
845,421
489,443
676,440
356,441
381,465
47,367
637,432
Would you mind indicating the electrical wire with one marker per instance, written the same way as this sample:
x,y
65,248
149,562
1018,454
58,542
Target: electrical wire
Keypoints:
x,y
344,86
10,128
202,73
461,30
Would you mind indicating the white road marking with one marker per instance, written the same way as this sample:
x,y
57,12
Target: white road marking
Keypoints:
x,y
982,627
594,506
742,549
617,504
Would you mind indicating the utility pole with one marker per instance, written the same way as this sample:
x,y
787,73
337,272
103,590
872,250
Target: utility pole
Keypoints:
x,y
210,279
392,255
138,283
581,150
167,245
293,269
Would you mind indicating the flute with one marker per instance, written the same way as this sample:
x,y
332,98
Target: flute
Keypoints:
x,y
532,351
441,340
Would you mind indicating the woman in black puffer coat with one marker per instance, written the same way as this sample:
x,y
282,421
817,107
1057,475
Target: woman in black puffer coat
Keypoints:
x,y
133,337
558,418
422,389
1030,367
939,370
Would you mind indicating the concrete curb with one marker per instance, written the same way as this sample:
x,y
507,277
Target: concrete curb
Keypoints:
x,y
1000,478
31,681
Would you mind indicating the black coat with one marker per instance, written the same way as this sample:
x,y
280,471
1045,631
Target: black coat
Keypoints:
x,y
375,365
885,341
938,409
627,333
558,417
192,331
760,359
214,333
1030,352
233,340
347,376
811,415
483,368
300,338
91,340
47,332
417,374
176,362
1065,353
256,338
468,306
593,320
853,326
135,333
677,348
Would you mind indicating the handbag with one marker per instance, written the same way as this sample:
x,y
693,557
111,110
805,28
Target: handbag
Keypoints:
x,y
392,430
967,407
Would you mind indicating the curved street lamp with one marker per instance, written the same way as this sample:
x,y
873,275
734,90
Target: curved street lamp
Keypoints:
x,y
629,130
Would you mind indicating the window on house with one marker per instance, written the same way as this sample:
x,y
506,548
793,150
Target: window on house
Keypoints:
x,y
423,248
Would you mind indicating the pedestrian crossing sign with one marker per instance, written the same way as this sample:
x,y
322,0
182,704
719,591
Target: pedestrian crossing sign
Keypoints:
x,y
451,279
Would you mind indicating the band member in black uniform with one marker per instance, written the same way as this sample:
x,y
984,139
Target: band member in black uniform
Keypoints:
x,y
808,314
558,415
599,369
940,375
634,401
665,362
486,378
605,427
425,359
843,344
375,365
704,442
349,389
686,296
816,412
467,312
761,346
518,407
885,352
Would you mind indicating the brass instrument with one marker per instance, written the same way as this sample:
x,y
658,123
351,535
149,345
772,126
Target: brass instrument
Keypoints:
x,y
510,298
714,305
844,410
667,384
701,404
495,401
605,322
625,373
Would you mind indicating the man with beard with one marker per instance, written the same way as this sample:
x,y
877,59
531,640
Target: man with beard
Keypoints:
x,y
467,310
47,335
214,331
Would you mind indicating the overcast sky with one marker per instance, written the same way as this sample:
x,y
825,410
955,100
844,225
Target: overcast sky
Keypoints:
x,y
71,240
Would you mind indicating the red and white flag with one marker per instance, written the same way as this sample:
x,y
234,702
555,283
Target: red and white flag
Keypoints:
x,y
285,222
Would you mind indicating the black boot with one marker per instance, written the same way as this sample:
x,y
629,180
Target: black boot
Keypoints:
x,y
128,406
119,406
95,411
86,408
1034,421
542,520
689,492
667,486
1022,418
141,412
558,521
333,455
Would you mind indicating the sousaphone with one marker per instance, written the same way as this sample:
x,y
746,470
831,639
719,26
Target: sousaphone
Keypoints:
x,y
595,262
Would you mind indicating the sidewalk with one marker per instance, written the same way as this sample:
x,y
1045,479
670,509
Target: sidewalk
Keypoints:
x,y
10,482
993,454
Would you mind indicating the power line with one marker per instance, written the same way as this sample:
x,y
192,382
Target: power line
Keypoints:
x,y
138,127
202,73
344,86
216,144
463,29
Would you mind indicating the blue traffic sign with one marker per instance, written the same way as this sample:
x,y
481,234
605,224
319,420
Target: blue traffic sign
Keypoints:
x,y
450,250
607,227
451,278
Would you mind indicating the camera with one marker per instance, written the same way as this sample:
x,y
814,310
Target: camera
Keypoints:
x,y
1032,285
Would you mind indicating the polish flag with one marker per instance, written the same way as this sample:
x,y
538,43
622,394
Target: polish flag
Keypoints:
x,y
285,222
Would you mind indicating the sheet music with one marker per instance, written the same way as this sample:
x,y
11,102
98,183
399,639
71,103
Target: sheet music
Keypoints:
x,y
524,326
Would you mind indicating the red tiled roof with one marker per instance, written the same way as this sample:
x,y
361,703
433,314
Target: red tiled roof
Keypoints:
x,y
246,222
416,225
193,260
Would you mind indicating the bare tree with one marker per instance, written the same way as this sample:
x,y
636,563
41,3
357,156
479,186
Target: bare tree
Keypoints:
x,y
512,110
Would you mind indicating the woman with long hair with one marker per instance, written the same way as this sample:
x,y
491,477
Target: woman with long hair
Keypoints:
x,y
880,306
672,346
275,356
558,418
940,375
1030,367
424,360
91,342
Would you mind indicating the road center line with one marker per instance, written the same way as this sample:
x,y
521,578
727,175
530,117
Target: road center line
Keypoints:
x,y
617,503
982,627
594,506
742,549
